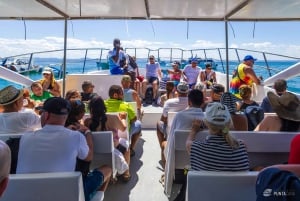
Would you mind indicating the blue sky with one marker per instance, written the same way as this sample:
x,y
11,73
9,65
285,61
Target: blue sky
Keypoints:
x,y
277,37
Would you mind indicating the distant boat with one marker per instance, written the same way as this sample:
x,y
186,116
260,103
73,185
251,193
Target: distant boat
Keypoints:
x,y
21,65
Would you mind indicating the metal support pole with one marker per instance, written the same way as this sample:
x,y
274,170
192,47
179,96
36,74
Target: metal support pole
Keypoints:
x,y
65,58
227,56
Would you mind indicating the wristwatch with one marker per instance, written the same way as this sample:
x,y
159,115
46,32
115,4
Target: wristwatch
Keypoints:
x,y
86,132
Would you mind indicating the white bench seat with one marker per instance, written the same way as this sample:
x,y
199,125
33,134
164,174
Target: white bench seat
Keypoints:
x,y
264,148
59,186
217,186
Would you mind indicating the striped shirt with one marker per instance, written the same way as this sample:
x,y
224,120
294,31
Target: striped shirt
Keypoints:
x,y
215,154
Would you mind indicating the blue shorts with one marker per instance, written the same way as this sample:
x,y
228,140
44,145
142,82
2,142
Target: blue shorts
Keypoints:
x,y
135,128
191,85
91,183
152,79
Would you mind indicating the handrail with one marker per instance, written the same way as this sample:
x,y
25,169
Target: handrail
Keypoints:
x,y
169,54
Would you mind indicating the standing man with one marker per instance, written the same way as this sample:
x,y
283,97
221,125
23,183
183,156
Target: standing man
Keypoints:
x,y
4,166
244,75
191,73
115,56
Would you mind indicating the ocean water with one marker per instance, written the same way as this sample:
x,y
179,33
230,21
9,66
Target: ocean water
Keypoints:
x,y
78,66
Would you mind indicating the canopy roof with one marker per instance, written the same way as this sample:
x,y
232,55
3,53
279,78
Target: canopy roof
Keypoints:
x,y
205,10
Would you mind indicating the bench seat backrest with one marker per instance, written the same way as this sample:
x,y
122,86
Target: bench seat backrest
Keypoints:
x,y
264,148
216,186
60,186
103,150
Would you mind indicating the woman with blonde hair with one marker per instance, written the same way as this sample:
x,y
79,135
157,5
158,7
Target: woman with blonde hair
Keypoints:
x,y
49,83
245,92
220,151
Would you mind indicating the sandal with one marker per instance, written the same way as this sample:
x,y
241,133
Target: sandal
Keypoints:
x,y
132,153
126,177
162,180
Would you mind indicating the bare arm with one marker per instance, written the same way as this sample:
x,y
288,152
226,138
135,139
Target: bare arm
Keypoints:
x,y
294,168
196,127
56,90
137,99
249,71
88,136
202,76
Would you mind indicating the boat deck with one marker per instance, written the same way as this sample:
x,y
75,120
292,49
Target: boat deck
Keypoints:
x,y
145,172
145,167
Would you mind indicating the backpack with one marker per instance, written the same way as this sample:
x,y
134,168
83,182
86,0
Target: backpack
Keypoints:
x,y
132,62
149,95
273,184
13,144
255,115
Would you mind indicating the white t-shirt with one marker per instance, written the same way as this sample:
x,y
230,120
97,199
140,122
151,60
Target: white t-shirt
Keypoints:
x,y
53,148
175,105
152,70
191,73
183,120
19,122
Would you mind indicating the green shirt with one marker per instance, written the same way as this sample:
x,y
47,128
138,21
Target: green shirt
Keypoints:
x,y
114,105
42,98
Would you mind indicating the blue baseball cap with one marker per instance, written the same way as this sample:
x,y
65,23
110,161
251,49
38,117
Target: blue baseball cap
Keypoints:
x,y
249,57
194,60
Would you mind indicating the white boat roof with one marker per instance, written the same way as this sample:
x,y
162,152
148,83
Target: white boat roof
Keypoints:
x,y
203,10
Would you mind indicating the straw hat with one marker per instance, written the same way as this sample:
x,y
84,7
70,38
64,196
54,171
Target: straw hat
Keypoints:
x,y
10,94
286,106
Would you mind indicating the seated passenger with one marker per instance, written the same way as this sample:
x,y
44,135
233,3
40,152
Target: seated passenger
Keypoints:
x,y
38,95
191,73
87,91
170,93
176,73
153,76
63,144
287,118
73,94
12,119
280,87
294,156
171,105
130,95
100,121
49,83
115,103
278,183
183,121
220,151
5,158
114,57
245,92
240,122
208,76
216,92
